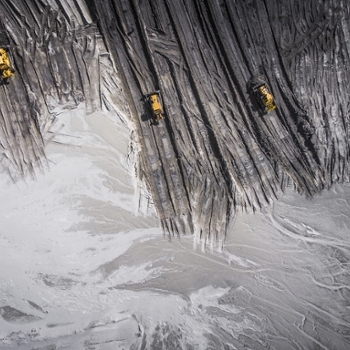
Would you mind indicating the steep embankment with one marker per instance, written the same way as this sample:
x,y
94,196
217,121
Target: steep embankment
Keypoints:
x,y
216,151
60,62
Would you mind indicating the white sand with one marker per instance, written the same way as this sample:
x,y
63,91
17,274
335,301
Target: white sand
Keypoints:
x,y
81,269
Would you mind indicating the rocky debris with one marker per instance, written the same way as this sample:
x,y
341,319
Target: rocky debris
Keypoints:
x,y
12,315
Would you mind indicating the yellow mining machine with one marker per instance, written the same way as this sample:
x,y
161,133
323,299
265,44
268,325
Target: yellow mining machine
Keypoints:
x,y
263,94
6,70
5,65
266,98
155,102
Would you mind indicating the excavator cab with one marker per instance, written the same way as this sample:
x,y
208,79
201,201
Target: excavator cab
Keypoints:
x,y
155,103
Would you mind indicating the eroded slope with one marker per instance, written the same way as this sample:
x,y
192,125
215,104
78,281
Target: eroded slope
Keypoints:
x,y
216,151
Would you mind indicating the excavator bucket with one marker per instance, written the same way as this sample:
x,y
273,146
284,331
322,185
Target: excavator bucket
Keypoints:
x,y
155,102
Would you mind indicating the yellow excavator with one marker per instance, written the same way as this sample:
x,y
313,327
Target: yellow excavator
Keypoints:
x,y
5,66
263,94
266,98
6,70
155,103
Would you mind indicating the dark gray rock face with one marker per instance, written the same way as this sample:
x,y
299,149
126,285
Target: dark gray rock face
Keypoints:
x,y
216,151
57,61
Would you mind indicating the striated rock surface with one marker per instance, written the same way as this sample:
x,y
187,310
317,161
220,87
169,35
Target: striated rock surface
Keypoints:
x,y
60,62
216,151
